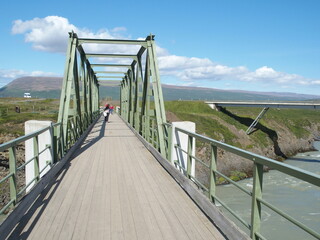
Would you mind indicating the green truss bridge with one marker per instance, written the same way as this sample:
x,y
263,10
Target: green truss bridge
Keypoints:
x,y
132,177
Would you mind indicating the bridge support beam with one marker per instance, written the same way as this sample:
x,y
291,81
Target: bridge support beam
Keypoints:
x,y
214,106
256,121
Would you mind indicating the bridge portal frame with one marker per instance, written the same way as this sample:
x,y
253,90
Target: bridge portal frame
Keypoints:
x,y
141,99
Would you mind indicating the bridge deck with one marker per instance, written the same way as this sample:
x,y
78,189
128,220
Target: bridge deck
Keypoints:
x,y
114,189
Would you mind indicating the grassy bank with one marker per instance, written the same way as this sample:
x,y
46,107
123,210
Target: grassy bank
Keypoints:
x,y
12,122
279,134
216,124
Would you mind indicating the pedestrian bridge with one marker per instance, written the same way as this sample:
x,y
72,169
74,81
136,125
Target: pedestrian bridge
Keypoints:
x,y
133,177
113,188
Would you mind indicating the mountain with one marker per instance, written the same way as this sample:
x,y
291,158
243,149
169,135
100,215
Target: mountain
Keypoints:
x,y
39,87
50,87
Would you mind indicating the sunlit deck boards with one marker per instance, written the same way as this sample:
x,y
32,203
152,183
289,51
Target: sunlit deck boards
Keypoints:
x,y
115,189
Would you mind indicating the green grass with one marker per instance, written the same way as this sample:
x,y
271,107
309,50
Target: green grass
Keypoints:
x,y
210,122
12,122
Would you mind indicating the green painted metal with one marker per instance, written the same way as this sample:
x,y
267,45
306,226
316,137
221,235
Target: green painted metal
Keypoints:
x,y
36,158
13,173
13,169
256,204
256,194
212,176
80,93
189,156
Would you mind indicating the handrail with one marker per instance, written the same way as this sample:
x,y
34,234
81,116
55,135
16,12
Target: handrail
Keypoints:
x,y
256,193
21,139
58,149
282,167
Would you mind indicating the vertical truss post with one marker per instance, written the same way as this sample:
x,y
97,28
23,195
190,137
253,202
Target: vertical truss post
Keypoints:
x,y
76,98
131,98
144,106
64,108
157,93
139,79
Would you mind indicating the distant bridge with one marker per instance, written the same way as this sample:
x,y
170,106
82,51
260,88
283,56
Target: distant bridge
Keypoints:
x,y
305,105
265,105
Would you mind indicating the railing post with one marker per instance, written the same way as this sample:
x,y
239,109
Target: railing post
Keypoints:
x,y
13,171
147,128
54,144
62,141
152,134
256,205
189,157
170,142
213,168
36,158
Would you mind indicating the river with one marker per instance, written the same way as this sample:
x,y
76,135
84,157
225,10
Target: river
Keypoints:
x,y
299,199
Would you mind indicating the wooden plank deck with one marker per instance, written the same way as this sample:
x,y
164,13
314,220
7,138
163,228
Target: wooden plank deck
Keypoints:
x,y
114,189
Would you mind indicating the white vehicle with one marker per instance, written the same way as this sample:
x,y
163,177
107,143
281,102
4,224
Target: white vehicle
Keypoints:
x,y
27,95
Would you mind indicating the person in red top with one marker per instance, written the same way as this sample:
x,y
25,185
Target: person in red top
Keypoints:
x,y
106,113
111,109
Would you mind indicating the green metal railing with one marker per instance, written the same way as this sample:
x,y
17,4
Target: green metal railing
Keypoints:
x,y
256,194
15,193
57,147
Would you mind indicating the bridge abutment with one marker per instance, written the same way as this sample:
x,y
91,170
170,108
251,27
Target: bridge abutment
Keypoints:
x,y
44,140
181,139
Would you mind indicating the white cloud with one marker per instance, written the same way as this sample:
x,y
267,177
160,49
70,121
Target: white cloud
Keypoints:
x,y
46,34
51,34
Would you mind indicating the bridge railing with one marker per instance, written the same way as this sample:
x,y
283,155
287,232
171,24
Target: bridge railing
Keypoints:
x,y
57,147
16,192
259,162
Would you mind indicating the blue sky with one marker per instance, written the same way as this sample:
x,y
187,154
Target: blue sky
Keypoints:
x,y
231,44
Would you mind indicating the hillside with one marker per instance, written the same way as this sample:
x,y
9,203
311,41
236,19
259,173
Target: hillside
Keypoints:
x,y
280,133
50,87
39,87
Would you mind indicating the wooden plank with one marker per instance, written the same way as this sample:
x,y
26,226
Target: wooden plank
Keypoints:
x,y
95,216
54,216
82,221
141,206
171,218
142,224
116,218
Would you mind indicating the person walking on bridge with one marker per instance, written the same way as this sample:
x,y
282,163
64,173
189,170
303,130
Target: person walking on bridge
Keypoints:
x,y
111,109
106,113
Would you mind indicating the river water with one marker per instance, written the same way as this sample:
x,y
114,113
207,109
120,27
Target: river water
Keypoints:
x,y
298,199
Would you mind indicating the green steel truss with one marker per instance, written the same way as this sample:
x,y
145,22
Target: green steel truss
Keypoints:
x,y
138,75
79,100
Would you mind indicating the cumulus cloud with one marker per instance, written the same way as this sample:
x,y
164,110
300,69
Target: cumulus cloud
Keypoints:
x,y
51,33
